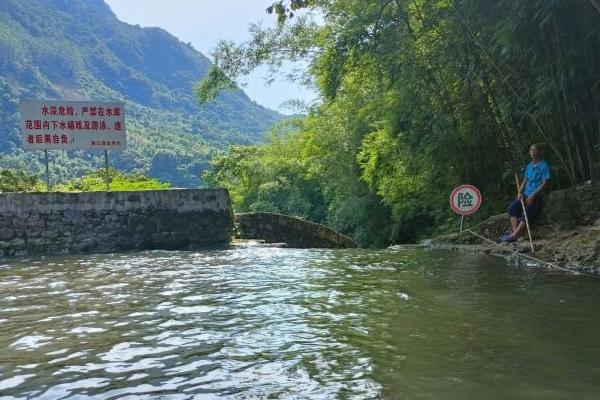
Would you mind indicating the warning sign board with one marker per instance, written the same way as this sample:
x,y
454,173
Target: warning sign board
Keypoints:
x,y
68,125
465,199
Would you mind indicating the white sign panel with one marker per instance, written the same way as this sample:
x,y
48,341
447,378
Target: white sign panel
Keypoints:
x,y
72,125
465,199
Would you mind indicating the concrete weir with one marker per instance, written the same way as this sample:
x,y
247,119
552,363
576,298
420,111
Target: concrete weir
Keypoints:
x,y
61,223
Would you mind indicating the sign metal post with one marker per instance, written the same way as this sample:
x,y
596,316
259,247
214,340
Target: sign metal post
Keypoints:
x,y
47,171
106,165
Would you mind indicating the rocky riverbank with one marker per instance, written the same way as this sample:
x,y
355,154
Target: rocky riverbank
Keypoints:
x,y
566,234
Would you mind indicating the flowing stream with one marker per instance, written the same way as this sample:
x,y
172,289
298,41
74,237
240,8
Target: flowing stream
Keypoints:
x,y
266,323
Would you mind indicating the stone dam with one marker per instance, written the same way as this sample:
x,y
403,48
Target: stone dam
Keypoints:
x,y
107,222
103,222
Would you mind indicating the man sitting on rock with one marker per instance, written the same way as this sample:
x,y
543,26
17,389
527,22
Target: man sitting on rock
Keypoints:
x,y
531,191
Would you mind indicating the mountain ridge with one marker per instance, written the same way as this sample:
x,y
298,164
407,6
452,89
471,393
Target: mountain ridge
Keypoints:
x,y
78,49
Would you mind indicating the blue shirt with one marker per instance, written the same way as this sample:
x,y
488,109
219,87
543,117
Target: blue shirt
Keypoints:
x,y
535,174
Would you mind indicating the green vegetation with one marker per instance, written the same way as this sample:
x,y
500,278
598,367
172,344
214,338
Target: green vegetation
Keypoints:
x,y
418,96
269,178
78,49
119,181
19,181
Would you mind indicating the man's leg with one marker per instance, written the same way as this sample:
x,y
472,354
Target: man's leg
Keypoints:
x,y
532,211
519,230
514,224
514,213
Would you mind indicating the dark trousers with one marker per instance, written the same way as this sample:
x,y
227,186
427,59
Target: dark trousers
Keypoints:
x,y
516,210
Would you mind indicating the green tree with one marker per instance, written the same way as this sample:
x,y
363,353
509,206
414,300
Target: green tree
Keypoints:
x,y
18,181
420,95
273,177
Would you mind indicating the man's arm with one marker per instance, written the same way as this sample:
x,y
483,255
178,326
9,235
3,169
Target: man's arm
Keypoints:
x,y
545,182
539,190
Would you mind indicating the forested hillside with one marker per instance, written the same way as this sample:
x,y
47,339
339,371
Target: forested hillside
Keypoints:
x,y
78,49
419,96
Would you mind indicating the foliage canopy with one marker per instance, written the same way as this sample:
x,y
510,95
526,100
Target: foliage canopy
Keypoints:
x,y
419,96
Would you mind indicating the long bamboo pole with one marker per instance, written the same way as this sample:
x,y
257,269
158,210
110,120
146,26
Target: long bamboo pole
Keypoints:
x,y
524,213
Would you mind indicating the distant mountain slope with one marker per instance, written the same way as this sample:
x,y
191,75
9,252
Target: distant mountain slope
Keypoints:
x,y
78,49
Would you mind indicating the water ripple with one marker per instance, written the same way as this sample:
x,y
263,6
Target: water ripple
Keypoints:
x,y
280,323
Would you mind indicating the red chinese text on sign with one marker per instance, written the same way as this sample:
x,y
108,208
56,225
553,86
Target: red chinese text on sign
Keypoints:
x,y
66,125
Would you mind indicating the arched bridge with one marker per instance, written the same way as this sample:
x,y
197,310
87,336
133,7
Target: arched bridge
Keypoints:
x,y
295,232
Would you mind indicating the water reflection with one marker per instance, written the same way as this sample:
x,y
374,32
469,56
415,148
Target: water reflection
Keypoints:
x,y
283,323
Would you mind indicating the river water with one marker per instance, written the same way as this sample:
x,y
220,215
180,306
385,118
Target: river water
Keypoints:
x,y
295,324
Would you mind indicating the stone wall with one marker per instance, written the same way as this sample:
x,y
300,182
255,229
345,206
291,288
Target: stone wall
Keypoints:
x,y
59,223
295,232
577,205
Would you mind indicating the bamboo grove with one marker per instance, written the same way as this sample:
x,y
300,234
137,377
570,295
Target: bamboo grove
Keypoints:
x,y
417,96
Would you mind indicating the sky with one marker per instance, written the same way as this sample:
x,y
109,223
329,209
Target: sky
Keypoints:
x,y
203,23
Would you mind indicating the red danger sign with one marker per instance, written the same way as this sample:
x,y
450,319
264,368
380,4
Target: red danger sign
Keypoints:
x,y
465,199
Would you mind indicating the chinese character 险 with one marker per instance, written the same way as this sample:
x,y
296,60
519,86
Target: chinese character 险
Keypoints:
x,y
465,200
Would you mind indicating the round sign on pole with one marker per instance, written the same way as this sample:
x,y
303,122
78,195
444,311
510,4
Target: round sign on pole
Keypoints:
x,y
465,199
